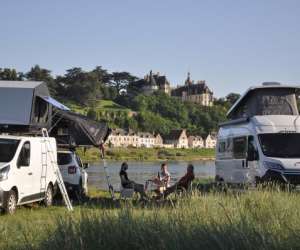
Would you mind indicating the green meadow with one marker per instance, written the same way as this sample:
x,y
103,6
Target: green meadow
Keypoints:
x,y
257,219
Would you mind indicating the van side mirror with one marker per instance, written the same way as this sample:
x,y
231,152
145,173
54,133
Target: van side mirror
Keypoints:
x,y
85,165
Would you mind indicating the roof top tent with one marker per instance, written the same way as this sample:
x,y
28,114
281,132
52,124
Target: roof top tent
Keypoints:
x,y
72,130
24,107
268,99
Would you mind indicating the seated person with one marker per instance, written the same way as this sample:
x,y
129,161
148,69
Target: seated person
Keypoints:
x,y
183,183
126,183
163,179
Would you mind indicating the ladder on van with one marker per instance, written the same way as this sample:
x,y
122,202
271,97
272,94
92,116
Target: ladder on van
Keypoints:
x,y
49,151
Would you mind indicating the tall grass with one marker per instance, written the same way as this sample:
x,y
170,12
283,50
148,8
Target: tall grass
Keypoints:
x,y
251,220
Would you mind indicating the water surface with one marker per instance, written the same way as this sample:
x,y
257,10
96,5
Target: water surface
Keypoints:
x,y
142,171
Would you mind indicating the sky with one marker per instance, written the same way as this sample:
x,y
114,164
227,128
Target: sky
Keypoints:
x,y
232,44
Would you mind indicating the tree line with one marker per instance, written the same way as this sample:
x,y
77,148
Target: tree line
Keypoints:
x,y
156,113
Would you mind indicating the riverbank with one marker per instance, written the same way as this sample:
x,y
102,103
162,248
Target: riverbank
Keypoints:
x,y
148,154
215,220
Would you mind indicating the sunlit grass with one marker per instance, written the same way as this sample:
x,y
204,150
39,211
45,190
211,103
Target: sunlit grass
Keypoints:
x,y
266,219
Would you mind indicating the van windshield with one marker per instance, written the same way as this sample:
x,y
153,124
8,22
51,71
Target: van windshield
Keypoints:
x,y
281,145
8,148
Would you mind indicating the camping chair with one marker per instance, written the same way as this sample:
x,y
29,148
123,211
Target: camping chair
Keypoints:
x,y
181,192
126,193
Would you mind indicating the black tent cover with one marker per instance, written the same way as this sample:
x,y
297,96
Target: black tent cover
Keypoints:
x,y
72,129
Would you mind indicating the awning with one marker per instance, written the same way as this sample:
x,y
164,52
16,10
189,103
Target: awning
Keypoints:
x,y
55,103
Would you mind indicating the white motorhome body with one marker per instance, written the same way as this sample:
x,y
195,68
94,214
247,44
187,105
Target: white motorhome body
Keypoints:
x,y
260,147
25,169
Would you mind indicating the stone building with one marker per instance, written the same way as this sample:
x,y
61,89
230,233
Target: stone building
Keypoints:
x,y
194,92
151,83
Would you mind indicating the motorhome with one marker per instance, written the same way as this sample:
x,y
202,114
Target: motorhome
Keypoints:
x,y
261,140
26,174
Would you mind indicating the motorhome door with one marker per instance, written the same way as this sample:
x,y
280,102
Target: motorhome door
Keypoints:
x,y
240,172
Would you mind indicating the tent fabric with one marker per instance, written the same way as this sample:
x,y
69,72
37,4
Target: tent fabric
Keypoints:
x,y
78,130
55,103
20,106
266,101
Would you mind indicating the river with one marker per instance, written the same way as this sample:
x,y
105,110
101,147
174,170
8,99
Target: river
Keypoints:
x,y
142,171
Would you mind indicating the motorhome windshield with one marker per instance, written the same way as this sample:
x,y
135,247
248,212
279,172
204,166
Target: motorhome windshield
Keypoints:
x,y
8,149
280,145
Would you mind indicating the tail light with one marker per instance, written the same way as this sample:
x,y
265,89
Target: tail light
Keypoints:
x,y
72,170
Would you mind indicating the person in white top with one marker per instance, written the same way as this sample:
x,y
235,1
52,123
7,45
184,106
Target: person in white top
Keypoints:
x,y
163,179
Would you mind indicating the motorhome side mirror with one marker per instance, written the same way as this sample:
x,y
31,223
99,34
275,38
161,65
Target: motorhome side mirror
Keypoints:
x,y
86,165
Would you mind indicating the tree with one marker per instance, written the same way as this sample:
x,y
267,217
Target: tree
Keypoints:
x,y
8,74
232,98
121,80
37,73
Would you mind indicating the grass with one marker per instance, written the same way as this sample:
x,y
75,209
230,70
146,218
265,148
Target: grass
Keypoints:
x,y
265,219
148,154
99,105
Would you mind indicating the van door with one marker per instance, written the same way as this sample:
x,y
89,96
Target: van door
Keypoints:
x,y
240,167
24,172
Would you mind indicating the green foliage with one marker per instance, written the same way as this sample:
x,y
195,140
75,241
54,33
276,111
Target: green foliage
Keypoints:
x,y
161,113
147,154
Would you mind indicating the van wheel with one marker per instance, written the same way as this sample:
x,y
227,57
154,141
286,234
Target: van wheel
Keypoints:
x,y
48,201
10,204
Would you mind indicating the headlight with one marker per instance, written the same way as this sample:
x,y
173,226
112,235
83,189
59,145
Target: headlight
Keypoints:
x,y
273,165
4,173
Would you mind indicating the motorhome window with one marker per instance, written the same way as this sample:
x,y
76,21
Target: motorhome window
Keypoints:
x,y
239,147
8,148
64,158
280,145
24,157
252,149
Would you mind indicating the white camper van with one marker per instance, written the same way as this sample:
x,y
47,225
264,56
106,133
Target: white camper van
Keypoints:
x,y
261,141
26,174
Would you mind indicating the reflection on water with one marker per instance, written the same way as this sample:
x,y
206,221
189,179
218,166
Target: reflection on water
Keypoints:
x,y
142,171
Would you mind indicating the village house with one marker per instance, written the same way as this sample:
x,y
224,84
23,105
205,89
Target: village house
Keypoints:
x,y
178,138
210,141
195,142
198,92
122,138
146,140
158,141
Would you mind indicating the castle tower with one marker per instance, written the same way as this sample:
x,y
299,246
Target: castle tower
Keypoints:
x,y
188,80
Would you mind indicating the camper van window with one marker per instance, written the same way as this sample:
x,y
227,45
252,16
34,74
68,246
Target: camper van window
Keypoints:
x,y
8,148
24,157
282,145
240,147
